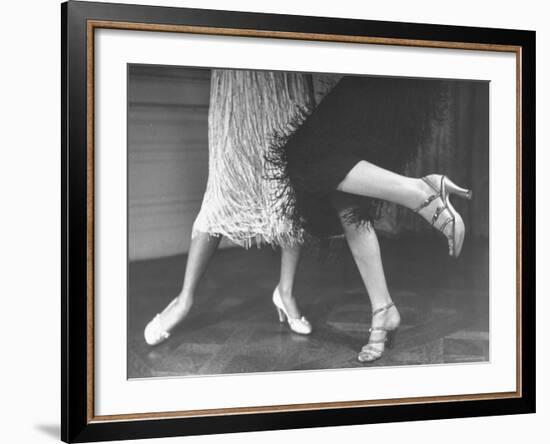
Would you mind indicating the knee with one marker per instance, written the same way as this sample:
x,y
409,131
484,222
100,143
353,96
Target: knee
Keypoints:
x,y
363,230
343,203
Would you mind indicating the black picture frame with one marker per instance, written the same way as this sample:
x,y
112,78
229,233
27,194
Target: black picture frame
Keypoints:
x,y
77,424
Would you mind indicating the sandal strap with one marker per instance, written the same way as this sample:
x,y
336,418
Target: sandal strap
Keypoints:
x,y
427,202
378,341
438,193
444,225
440,209
437,213
382,309
431,185
371,350
378,329
369,347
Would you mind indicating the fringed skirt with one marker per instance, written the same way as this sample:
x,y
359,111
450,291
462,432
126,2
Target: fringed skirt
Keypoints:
x,y
381,120
246,108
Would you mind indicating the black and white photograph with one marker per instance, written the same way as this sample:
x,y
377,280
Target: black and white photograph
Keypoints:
x,y
285,221
278,222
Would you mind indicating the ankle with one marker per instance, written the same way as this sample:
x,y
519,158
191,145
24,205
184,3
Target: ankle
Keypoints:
x,y
389,317
381,303
285,292
419,192
184,299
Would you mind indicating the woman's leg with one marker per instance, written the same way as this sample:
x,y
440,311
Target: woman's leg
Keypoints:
x,y
364,246
290,257
283,296
430,201
367,179
201,251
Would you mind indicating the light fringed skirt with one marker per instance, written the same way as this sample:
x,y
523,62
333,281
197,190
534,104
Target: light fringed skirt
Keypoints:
x,y
247,108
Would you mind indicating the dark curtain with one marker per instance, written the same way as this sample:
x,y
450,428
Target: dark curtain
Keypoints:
x,y
459,148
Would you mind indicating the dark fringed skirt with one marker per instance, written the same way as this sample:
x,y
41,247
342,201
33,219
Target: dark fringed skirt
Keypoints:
x,y
378,119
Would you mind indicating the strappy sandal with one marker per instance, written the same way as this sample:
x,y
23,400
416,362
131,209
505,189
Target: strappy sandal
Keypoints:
x,y
442,204
372,351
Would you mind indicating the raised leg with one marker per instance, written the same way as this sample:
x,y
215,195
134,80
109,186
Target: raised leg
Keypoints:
x,y
428,196
367,179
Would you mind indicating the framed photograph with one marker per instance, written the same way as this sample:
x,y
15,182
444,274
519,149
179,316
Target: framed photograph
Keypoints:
x,y
275,221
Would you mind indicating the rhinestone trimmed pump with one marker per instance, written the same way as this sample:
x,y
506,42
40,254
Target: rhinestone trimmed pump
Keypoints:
x,y
438,204
297,325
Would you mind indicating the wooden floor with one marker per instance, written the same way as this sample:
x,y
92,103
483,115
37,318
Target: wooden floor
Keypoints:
x,y
233,326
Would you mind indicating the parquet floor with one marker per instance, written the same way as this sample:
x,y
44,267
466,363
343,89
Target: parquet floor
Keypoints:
x,y
233,326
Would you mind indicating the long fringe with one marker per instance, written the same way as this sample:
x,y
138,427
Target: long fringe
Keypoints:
x,y
277,169
245,108
394,144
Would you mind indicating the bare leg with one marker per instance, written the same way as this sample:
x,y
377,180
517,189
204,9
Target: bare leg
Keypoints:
x,y
364,246
290,257
365,249
431,202
367,179
201,251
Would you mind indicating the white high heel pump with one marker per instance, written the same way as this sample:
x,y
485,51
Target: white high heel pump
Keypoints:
x,y
297,325
154,333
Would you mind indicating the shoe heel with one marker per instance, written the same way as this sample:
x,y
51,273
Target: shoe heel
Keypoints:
x,y
390,339
281,314
453,188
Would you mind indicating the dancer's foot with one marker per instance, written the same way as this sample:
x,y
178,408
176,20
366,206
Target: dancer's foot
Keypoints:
x,y
158,329
385,322
288,310
289,302
436,208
